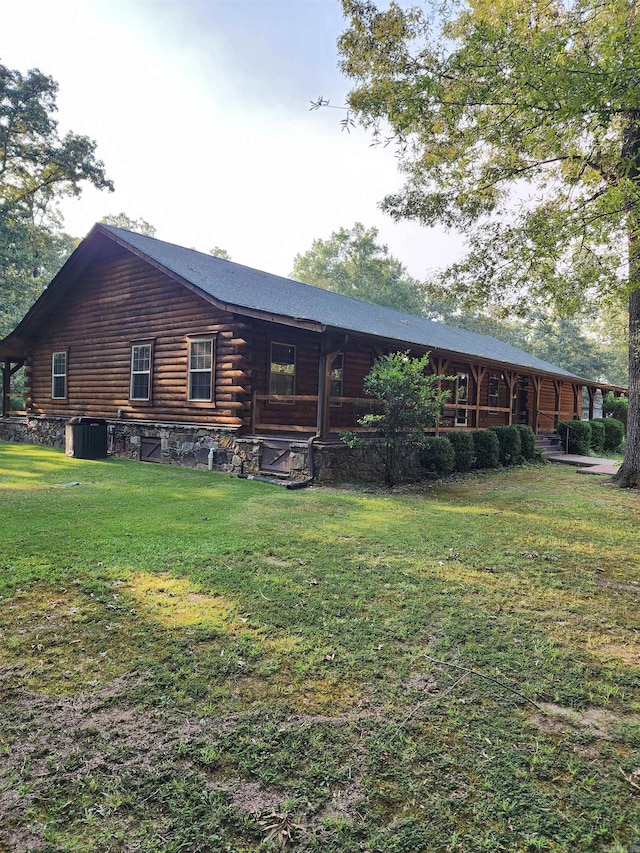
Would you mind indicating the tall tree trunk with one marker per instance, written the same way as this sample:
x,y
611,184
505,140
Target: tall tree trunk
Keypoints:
x,y
629,474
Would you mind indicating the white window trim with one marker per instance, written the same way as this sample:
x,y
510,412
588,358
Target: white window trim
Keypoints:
x,y
493,407
148,373
55,375
199,339
461,418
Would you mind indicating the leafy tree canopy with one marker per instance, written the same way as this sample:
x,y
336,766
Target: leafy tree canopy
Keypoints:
x,y
219,252
121,220
519,123
37,168
352,262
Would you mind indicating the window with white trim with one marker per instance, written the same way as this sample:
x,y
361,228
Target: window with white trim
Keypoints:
x,y
494,394
282,370
141,355
59,375
201,369
461,397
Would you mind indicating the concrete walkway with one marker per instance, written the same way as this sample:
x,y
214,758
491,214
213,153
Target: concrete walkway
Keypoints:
x,y
588,464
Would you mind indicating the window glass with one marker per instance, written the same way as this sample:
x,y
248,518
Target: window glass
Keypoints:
x,y
461,395
494,392
337,374
140,372
200,369
282,371
59,375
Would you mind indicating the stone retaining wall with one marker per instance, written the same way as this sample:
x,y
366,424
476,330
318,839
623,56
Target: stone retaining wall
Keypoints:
x,y
180,444
189,445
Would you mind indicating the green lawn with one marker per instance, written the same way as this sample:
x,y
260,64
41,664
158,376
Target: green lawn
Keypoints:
x,y
190,662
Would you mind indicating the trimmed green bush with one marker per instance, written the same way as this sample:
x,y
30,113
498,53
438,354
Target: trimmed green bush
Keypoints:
x,y
527,442
613,433
579,436
436,455
510,445
617,407
597,434
462,444
486,448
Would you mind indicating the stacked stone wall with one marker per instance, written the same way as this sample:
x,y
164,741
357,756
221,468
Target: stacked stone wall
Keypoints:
x,y
190,445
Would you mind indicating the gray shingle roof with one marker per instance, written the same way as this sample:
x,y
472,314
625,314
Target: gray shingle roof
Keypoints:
x,y
252,289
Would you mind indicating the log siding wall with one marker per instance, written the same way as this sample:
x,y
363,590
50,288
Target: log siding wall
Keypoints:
x,y
123,301
120,300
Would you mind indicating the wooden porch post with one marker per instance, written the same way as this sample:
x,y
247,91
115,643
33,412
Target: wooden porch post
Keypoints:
x,y
557,387
576,390
325,364
536,380
592,397
6,388
478,374
441,365
512,377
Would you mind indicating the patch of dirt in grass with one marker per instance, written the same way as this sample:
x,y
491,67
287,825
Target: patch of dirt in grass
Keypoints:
x,y
623,587
252,796
56,743
596,722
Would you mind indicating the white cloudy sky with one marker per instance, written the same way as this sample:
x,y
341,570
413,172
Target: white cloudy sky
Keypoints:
x,y
201,113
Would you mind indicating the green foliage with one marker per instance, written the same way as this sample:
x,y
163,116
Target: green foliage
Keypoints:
x,y
481,98
437,456
613,433
597,434
527,442
408,403
517,123
617,407
37,167
593,345
486,448
510,444
352,262
462,443
576,436
219,252
121,220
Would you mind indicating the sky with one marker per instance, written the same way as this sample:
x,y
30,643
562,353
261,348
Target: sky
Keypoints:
x,y
201,114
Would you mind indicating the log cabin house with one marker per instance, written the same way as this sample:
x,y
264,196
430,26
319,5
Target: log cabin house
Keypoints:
x,y
195,359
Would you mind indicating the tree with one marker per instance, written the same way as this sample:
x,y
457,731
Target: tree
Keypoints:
x,y
518,123
409,402
219,252
37,168
121,220
354,263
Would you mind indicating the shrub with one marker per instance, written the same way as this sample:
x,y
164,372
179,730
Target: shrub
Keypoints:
x,y
437,455
597,434
462,444
613,432
579,436
486,448
510,446
406,402
617,407
527,442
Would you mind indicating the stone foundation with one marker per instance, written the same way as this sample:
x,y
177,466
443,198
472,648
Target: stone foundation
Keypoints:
x,y
180,444
189,445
